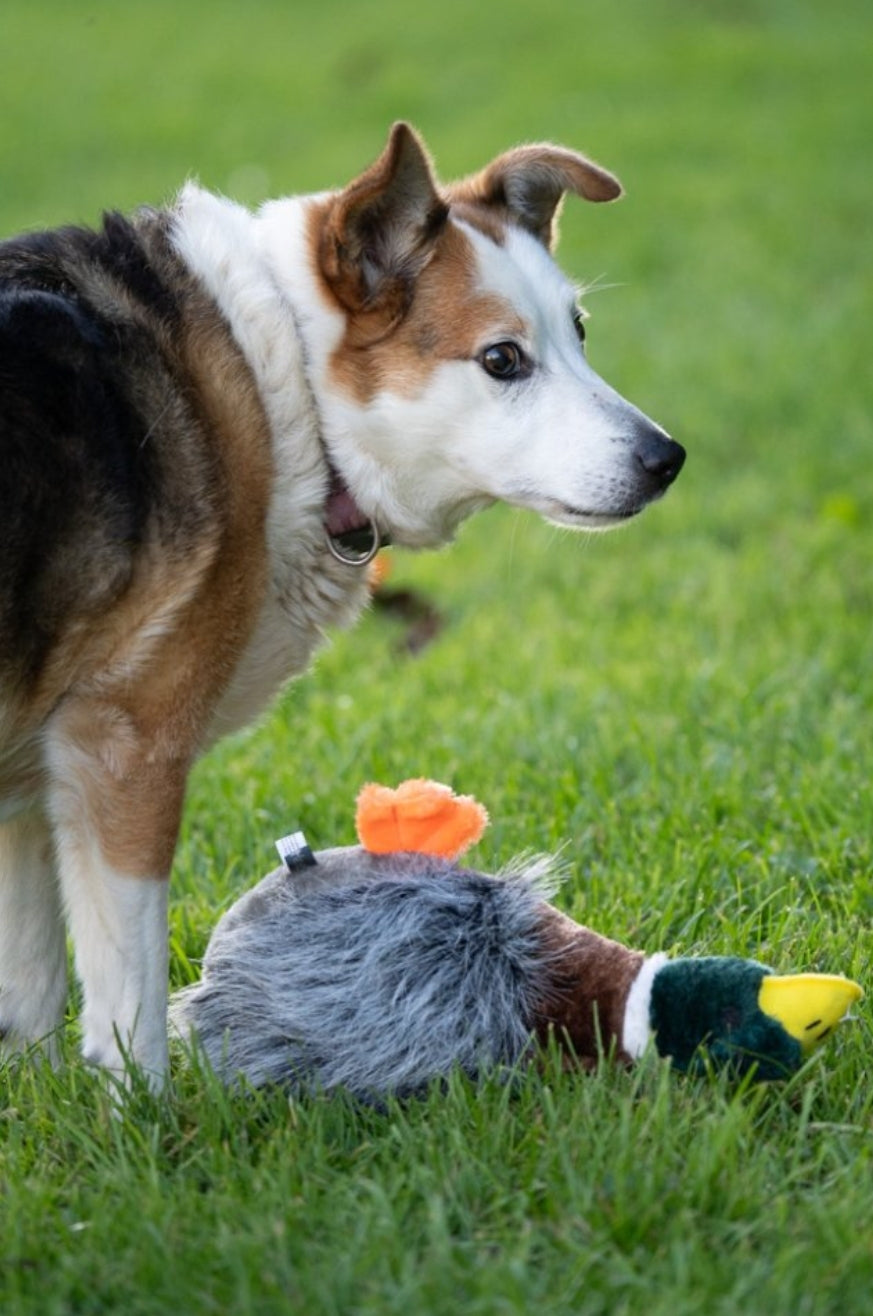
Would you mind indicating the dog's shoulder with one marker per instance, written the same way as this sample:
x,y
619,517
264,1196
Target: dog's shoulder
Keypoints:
x,y
107,442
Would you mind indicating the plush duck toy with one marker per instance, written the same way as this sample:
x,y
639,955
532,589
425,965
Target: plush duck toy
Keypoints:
x,y
382,966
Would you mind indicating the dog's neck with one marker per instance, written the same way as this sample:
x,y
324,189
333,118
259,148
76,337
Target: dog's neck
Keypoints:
x,y
309,591
233,252
278,328
353,430
280,227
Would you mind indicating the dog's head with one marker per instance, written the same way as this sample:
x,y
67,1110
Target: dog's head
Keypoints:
x,y
451,363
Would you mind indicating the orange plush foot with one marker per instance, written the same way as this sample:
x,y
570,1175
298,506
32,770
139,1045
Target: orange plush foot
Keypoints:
x,y
420,815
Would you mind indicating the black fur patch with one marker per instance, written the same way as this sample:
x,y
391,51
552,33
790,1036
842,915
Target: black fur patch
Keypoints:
x,y
97,439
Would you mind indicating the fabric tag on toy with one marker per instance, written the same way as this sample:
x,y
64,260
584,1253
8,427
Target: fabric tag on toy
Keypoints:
x,y
294,852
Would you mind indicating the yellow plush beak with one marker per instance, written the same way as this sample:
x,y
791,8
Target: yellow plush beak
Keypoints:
x,y
808,1005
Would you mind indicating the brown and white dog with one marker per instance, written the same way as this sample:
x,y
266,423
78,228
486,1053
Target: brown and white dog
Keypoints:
x,y
209,419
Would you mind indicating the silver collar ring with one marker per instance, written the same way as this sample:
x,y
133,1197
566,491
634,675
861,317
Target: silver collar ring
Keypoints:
x,y
356,548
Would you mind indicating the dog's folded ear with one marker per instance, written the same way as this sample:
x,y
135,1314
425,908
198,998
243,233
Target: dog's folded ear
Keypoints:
x,y
382,228
527,185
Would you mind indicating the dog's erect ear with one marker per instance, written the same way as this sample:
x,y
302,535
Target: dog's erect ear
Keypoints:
x,y
381,229
528,184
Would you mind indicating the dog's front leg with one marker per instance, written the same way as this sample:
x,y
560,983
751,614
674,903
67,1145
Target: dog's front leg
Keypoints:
x,y
116,798
119,929
33,956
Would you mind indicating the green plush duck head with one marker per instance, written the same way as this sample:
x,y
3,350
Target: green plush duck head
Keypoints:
x,y
737,1014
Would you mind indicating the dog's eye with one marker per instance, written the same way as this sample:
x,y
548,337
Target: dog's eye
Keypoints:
x,y
579,326
503,360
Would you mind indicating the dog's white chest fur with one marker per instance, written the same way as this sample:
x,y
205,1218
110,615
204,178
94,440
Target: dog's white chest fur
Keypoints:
x,y
308,591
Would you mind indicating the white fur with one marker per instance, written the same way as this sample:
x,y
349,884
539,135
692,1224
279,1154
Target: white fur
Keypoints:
x,y
119,928
557,443
32,943
118,924
564,449
637,1030
117,921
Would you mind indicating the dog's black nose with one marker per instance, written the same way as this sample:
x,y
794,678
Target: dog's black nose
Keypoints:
x,y
660,456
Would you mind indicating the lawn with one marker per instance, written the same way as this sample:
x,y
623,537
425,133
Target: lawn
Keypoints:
x,y
683,707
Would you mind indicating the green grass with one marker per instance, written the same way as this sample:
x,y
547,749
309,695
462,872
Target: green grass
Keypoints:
x,y
684,706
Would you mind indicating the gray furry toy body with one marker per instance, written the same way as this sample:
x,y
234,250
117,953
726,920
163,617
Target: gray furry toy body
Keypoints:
x,y
371,972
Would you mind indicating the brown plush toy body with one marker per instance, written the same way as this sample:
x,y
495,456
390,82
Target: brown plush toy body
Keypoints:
x,y
380,971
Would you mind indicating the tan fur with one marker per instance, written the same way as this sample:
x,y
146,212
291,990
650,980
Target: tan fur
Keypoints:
x,y
485,219
449,319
